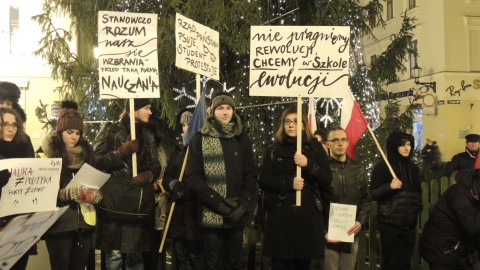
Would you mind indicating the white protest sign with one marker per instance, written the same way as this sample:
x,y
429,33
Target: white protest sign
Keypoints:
x,y
128,59
33,185
306,61
341,219
197,47
89,177
23,232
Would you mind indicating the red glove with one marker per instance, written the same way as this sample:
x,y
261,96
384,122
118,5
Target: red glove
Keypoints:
x,y
128,148
143,178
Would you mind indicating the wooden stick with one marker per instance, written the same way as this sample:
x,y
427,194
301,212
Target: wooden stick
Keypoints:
x,y
133,134
299,147
381,151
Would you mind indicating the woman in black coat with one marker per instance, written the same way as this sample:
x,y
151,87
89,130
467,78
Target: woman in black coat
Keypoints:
x,y
452,231
294,235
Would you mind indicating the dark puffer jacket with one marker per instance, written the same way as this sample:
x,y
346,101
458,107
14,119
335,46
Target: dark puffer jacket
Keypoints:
x,y
452,231
397,207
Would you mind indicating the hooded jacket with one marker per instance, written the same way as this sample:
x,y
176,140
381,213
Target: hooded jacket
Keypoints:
x,y
453,228
397,207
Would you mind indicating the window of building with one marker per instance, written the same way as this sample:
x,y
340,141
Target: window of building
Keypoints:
x,y
389,9
9,26
412,4
373,58
413,57
473,42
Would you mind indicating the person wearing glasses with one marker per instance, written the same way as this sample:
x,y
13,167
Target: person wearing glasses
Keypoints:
x,y
69,240
399,201
295,235
350,186
14,143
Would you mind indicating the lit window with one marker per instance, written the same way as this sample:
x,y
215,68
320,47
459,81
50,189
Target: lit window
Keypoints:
x,y
9,26
413,57
389,9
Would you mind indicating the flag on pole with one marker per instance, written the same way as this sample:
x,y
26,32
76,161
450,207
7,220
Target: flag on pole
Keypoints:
x,y
312,120
198,118
354,123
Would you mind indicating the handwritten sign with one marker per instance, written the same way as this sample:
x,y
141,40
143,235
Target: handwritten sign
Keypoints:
x,y
89,177
128,60
341,219
197,47
32,187
22,232
292,61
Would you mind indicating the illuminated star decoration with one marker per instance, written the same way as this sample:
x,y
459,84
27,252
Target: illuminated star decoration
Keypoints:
x,y
183,92
329,104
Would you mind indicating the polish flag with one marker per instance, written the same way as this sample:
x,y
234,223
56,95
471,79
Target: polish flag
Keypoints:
x,y
477,162
354,123
312,121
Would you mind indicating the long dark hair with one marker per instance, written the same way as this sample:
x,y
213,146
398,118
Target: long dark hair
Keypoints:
x,y
280,135
20,136
58,149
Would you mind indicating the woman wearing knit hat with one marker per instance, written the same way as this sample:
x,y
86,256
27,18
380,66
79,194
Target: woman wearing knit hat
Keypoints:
x,y
184,232
126,227
14,144
221,173
69,240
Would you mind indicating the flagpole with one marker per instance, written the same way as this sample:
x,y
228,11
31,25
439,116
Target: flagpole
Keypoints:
x,y
381,151
133,133
298,201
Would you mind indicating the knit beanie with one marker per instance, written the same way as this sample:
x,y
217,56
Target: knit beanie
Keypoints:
x,y
9,91
222,98
186,117
138,103
69,117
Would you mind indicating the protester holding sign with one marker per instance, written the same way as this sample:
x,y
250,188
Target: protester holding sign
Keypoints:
x,y
126,213
14,143
399,201
69,240
221,173
294,235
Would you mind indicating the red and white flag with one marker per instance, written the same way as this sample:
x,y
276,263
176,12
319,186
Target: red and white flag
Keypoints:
x,y
312,120
354,123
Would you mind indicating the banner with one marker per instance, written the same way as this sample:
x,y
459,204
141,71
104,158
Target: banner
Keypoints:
x,y
197,47
128,59
33,185
299,61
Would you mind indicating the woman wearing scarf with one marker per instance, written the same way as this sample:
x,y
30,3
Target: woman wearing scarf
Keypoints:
x,y
69,240
294,236
221,173
14,143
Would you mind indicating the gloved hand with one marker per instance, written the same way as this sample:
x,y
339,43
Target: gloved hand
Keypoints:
x,y
143,178
237,213
232,202
93,196
223,209
128,148
176,188
4,177
71,194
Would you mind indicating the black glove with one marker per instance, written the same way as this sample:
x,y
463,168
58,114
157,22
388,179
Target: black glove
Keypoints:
x,y
128,148
237,213
176,188
223,209
4,177
232,202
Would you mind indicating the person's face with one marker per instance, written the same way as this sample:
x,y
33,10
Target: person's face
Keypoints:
x,y
184,127
404,150
9,127
143,114
473,146
338,144
5,104
70,137
290,124
224,113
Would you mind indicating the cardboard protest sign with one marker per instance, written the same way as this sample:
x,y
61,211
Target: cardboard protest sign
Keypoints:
x,y
128,59
305,61
32,187
23,232
341,219
197,47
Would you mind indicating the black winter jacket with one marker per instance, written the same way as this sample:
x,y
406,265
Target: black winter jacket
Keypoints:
x,y
461,161
397,207
453,228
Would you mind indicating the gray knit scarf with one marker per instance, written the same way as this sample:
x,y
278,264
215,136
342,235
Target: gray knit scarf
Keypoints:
x,y
215,173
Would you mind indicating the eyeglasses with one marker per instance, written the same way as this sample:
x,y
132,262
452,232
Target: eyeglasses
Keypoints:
x,y
7,125
337,141
71,114
288,122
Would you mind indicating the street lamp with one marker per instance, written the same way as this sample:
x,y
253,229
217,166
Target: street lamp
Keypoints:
x,y
416,74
